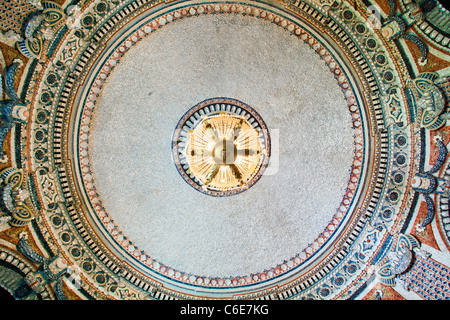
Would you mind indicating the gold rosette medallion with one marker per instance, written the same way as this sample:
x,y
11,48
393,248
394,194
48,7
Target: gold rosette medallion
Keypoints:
x,y
221,147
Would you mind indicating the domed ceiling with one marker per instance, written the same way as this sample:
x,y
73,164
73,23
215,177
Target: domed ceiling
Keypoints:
x,y
159,150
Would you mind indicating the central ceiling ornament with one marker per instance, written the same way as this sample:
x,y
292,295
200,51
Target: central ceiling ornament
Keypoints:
x,y
223,151
221,146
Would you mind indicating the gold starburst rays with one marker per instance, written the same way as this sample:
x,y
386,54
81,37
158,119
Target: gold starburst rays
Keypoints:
x,y
224,151
221,147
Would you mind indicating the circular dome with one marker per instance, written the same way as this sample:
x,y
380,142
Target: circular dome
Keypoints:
x,y
328,177
268,230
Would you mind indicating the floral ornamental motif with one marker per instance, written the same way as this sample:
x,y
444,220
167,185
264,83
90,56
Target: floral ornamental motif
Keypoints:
x,y
40,29
430,100
399,259
12,109
13,197
396,25
221,146
51,270
425,183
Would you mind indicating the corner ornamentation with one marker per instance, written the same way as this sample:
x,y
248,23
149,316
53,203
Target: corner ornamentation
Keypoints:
x,y
51,270
399,260
40,28
395,27
12,109
13,197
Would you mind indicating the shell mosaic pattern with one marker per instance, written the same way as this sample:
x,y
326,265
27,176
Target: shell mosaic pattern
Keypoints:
x,y
356,255
159,266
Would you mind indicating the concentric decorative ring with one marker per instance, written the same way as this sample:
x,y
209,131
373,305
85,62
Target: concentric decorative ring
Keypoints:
x,y
305,255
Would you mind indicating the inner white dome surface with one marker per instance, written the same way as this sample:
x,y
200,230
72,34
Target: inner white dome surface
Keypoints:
x,y
238,57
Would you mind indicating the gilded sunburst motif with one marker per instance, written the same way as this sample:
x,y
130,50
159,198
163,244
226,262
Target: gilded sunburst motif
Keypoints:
x,y
223,151
221,146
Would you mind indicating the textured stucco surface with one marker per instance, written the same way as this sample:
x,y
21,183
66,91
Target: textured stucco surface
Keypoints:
x,y
238,57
